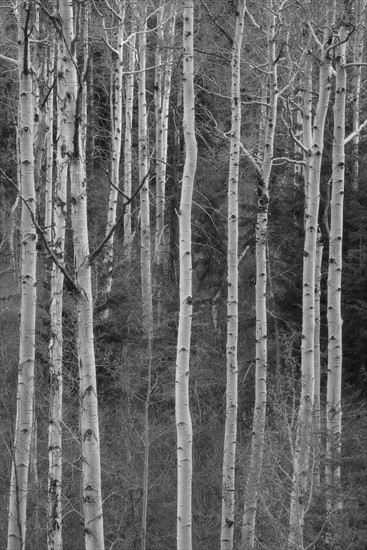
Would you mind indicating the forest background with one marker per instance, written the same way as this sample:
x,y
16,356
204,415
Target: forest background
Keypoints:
x,y
129,91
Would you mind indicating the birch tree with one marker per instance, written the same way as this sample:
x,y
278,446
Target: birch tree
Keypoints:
x,y
182,409
267,147
129,103
357,39
301,483
145,247
89,428
162,87
25,389
116,140
54,527
230,435
49,145
317,392
335,350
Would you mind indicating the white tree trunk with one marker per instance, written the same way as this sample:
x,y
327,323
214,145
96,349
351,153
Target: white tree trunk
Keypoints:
x,y
145,247
91,471
183,417
49,122
64,143
116,124
128,159
162,98
333,398
25,389
258,430
230,435
358,47
301,483
317,398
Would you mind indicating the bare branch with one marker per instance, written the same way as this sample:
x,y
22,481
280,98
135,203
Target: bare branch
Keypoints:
x,y
356,132
99,248
253,21
282,160
243,255
40,232
214,19
255,164
8,59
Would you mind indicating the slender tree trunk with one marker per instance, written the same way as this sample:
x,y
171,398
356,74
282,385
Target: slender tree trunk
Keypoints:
x,y
230,435
116,123
358,47
86,69
49,122
183,417
317,399
302,482
25,390
146,276
54,527
307,129
333,399
162,98
129,102
164,55
90,441
258,430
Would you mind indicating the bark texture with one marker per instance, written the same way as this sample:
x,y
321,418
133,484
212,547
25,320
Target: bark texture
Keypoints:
x,y
258,430
182,409
25,389
302,472
335,350
230,435
89,428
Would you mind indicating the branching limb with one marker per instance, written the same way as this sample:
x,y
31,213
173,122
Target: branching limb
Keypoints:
x,y
9,59
295,139
215,21
253,21
99,248
356,132
339,42
41,233
243,255
254,163
313,34
282,160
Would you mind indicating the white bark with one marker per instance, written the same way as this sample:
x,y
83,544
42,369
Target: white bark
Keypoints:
x,y
333,398
317,398
258,430
230,436
129,102
146,276
49,122
183,418
116,123
91,471
165,39
301,483
25,390
358,47
64,143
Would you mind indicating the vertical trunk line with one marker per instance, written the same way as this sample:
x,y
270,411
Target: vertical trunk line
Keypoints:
x,y
333,398
230,434
259,418
182,409
25,388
